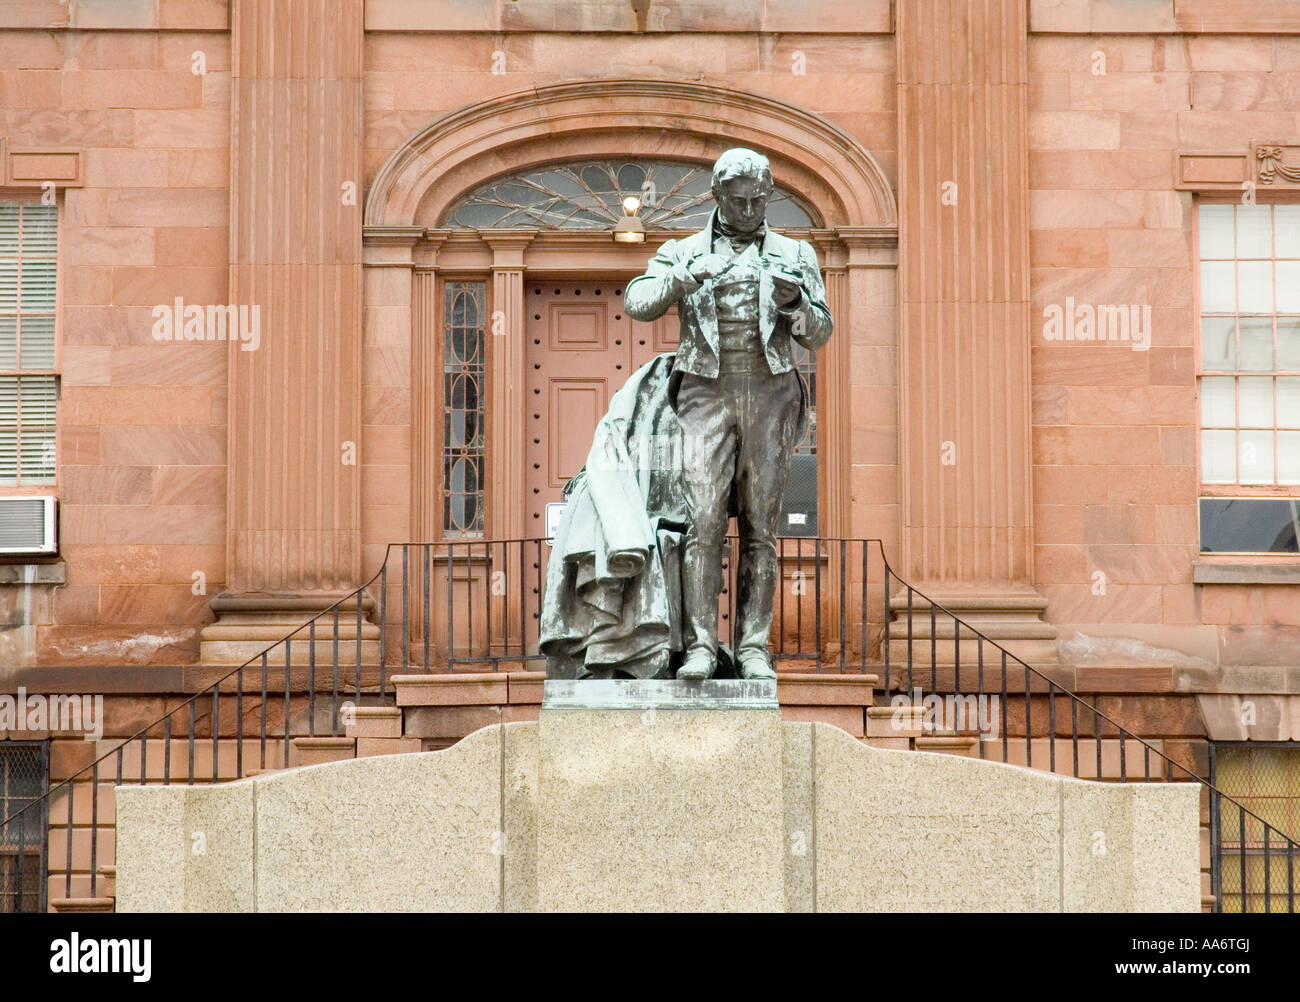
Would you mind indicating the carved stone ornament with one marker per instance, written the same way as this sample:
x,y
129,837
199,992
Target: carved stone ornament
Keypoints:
x,y
1278,162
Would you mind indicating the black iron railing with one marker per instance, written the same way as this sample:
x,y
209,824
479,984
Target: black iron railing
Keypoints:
x,y
474,605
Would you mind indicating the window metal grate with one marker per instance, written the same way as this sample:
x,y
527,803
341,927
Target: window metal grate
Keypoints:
x,y
1266,780
24,779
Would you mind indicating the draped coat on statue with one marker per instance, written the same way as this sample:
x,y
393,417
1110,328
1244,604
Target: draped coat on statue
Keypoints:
x,y
612,603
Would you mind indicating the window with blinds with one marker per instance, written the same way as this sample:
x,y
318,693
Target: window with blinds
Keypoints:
x,y
28,381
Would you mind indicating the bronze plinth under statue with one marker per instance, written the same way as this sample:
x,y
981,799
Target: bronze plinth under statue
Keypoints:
x,y
636,571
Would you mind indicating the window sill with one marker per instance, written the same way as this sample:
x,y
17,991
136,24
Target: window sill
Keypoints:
x,y
1258,573
48,573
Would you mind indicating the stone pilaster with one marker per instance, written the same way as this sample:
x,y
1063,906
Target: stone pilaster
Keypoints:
x,y
294,524
964,315
508,354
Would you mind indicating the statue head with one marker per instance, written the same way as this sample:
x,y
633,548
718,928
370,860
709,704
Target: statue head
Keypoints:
x,y
742,184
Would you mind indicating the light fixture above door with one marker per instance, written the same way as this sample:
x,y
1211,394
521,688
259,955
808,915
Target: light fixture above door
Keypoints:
x,y
630,229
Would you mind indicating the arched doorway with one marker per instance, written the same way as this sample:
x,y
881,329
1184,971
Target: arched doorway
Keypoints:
x,y
438,210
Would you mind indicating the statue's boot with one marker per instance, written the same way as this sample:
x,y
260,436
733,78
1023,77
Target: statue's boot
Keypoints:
x,y
756,584
756,665
701,584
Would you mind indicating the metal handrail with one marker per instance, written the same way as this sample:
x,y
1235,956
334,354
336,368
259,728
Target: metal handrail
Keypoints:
x,y
497,561
214,690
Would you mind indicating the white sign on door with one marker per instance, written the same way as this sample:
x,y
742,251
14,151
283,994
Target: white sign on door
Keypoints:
x,y
553,512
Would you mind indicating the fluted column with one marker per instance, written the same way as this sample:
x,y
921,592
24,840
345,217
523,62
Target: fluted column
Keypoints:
x,y
294,526
508,355
964,312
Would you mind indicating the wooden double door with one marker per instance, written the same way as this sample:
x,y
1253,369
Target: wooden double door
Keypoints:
x,y
582,346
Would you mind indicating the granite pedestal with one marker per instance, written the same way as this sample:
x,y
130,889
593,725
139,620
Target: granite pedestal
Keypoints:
x,y
660,796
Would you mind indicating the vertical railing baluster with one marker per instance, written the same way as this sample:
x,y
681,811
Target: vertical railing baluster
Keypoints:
x,y
22,852
863,600
781,590
487,608
428,609
288,658
887,613
934,655
358,646
262,728
334,677
451,607
844,612
67,883
1029,744
144,738
523,607
1241,813
94,829
1074,734
18,864
816,546
239,724
193,722
956,657
311,678
1268,887
167,750
1096,720
798,602
911,685
383,631
1123,771
1051,727
216,727
1290,877
406,610
537,606
1006,720
980,701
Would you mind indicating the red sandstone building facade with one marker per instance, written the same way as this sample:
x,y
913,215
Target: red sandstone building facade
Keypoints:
x,y
283,283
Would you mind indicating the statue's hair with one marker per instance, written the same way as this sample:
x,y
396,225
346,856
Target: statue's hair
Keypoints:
x,y
741,162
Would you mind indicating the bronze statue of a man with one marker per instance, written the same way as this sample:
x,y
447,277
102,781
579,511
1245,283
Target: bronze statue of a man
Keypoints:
x,y
743,292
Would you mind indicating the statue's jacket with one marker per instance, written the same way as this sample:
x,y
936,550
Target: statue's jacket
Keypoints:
x,y
613,582
668,280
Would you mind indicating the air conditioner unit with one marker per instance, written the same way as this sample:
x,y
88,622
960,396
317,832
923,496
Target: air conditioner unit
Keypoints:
x,y
27,525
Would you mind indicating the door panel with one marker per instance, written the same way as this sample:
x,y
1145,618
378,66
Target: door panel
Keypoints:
x,y
581,349
576,407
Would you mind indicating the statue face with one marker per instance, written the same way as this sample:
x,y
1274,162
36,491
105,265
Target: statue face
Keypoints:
x,y
742,202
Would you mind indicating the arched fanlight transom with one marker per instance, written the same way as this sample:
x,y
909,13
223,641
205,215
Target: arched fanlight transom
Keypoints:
x,y
589,196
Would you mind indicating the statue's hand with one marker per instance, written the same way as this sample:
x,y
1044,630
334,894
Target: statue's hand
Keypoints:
x,y
708,266
786,288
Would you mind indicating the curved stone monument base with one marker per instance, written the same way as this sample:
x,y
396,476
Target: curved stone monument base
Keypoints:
x,y
660,796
